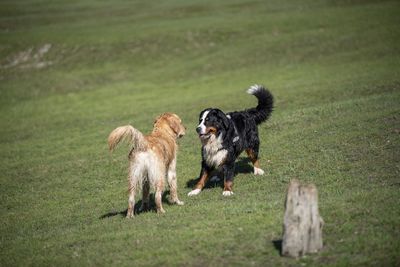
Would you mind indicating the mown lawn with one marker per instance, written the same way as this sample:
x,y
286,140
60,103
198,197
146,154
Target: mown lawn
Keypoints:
x,y
72,71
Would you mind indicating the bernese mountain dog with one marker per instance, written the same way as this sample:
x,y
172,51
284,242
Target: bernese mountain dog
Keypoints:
x,y
225,136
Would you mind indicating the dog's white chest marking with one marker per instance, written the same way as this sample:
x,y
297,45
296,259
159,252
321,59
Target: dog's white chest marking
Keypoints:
x,y
216,159
213,153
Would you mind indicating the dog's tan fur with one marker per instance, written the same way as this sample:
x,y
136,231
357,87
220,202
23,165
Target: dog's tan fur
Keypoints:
x,y
152,159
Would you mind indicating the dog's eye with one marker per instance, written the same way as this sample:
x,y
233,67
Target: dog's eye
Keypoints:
x,y
207,119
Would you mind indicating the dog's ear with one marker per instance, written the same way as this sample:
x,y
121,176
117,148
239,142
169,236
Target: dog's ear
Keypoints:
x,y
157,119
173,122
224,119
174,126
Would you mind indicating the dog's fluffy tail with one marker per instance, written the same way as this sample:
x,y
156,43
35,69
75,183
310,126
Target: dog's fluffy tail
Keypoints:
x,y
265,103
132,135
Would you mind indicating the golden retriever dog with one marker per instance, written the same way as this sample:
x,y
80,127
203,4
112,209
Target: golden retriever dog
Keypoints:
x,y
152,159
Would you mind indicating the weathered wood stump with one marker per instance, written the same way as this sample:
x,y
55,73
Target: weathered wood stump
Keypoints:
x,y
302,225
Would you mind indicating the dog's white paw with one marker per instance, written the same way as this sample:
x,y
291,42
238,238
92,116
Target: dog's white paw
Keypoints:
x,y
180,203
227,193
194,192
258,171
161,211
130,214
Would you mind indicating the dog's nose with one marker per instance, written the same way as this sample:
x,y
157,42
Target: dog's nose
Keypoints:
x,y
198,130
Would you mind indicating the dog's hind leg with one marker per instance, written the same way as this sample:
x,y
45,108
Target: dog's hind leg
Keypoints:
x,y
156,176
135,174
131,200
158,195
253,155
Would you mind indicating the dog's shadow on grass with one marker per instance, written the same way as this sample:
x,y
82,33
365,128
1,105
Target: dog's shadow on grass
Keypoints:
x,y
152,207
114,213
243,165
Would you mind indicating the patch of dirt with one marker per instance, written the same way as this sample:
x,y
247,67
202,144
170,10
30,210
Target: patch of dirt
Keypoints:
x,y
30,58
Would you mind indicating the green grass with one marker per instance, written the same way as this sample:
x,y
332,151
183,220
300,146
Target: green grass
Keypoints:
x,y
333,67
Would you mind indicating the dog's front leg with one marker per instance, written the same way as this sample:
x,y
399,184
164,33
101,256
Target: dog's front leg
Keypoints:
x,y
229,172
204,175
172,182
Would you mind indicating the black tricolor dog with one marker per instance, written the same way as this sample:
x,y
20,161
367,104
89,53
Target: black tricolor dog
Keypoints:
x,y
225,136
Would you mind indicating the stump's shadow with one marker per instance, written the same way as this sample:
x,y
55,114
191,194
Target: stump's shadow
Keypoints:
x,y
278,245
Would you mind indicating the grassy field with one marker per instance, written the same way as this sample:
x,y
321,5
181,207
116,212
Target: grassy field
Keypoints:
x,y
72,71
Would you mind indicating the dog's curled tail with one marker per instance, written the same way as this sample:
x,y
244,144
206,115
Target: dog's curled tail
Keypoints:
x,y
265,103
127,132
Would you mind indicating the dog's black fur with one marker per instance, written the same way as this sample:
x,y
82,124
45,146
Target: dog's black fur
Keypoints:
x,y
237,132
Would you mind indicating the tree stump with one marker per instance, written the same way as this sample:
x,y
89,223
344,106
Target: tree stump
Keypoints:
x,y
302,225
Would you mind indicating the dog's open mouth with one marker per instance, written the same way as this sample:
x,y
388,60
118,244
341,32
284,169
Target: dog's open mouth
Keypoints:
x,y
208,133
205,136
